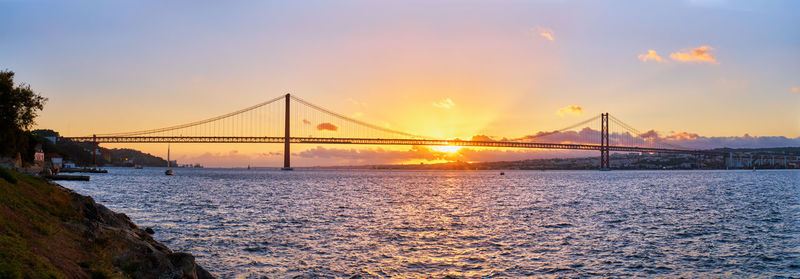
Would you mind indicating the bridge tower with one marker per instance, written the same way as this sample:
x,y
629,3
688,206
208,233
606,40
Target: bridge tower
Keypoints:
x,y
286,137
94,150
604,156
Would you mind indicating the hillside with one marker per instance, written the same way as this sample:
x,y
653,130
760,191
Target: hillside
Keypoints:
x,y
80,153
47,231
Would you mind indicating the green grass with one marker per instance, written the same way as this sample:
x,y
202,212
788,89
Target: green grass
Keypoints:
x,y
19,214
18,261
37,224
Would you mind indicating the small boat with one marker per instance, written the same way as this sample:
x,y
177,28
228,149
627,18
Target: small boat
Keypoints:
x,y
138,167
169,170
502,173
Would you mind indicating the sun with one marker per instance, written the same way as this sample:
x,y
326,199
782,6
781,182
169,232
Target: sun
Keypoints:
x,y
447,148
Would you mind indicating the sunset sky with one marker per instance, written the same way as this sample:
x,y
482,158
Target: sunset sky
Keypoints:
x,y
716,68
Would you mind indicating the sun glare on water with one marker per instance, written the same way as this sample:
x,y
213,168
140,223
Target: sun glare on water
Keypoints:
x,y
447,148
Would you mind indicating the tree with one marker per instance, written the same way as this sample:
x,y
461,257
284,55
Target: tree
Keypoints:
x,y
19,106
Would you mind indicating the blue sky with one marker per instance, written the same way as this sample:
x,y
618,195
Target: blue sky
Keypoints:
x,y
188,60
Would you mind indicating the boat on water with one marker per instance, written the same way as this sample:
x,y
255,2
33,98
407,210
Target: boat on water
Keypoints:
x,y
138,167
169,170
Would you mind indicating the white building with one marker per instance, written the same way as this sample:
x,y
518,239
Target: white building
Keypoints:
x,y
57,162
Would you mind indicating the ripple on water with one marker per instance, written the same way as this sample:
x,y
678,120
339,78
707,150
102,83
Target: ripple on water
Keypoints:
x,y
249,224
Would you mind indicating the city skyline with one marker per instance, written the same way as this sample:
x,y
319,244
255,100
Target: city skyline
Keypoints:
x,y
706,70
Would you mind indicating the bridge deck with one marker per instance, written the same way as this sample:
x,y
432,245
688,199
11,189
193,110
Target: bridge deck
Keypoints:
x,y
371,141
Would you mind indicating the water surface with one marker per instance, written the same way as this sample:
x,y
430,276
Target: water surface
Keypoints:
x,y
250,223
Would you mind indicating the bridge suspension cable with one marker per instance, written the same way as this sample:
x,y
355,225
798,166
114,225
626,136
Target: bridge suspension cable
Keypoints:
x,y
589,132
223,117
288,119
268,119
568,134
626,135
313,120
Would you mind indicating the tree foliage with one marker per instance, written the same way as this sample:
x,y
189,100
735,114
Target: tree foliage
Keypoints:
x,y
19,106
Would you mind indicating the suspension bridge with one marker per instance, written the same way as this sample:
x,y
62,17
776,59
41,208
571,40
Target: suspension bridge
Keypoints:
x,y
291,120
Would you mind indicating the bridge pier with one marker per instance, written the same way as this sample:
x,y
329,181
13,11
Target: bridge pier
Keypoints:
x,y
286,137
94,151
605,163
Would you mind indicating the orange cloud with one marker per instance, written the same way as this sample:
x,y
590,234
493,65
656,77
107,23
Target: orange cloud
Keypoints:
x,y
682,136
327,127
650,135
651,55
699,54
545,33
481,138
795,89
576,110
680,139
378,155
445,104
426,153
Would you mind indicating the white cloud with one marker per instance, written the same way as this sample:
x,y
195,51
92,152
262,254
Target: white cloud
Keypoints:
x,y
445,104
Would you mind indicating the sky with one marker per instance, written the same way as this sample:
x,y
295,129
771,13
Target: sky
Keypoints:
x,y
715,70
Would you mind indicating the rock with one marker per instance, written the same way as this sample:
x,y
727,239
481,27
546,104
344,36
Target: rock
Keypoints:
x,y
138,254
184,262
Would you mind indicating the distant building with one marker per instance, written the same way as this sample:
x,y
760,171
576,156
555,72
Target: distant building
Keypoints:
x,y
54,159
38,156
106,154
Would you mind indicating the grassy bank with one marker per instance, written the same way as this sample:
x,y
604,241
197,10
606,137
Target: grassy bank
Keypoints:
x,y
47,231
36,236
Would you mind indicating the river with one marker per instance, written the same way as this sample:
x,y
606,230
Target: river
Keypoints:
x,y
321,223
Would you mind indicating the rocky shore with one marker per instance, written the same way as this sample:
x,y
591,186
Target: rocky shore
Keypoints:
x,y
48,231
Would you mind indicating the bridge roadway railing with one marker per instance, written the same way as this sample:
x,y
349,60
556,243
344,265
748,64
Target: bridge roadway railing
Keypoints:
x,y
372,141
